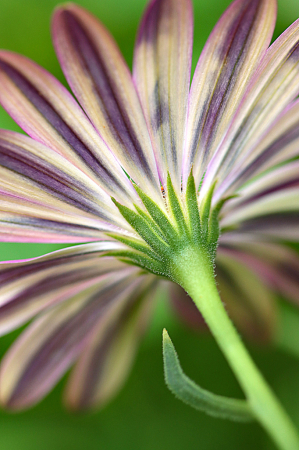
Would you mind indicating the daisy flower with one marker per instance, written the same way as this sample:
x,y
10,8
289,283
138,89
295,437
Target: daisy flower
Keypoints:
x,y
155,180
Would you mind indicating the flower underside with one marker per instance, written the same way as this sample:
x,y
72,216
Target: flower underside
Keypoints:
x,y
165,235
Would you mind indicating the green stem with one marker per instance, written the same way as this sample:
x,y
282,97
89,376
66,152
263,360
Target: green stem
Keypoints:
x,y
192,270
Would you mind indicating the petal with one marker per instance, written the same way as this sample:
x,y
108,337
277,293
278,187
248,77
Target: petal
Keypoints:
x,y
47,348
276,264
230,56
162,64
28,287
274,86
49,114
105,363
272,227
269,205
247,299
100,79
38,183
279,143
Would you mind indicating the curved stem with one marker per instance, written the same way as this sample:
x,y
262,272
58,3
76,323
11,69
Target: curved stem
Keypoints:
x,y
192,270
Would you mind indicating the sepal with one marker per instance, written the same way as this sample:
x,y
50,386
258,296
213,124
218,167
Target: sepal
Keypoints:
x,y
158,216
192,209
168,234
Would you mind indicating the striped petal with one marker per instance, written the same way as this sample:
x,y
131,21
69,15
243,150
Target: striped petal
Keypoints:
x,y
248,300
280,226
267,206
49,114
50,345
162,64
30,286
100,79
224,70
39,187
278,144
105,363
277,265
274,86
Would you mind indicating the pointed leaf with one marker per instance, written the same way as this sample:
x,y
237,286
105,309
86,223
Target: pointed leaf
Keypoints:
x,y
187,391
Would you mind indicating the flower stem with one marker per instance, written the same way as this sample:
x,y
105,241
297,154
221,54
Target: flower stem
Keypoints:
x,y
193,271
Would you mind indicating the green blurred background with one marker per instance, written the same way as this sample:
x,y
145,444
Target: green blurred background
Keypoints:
x,y
144,416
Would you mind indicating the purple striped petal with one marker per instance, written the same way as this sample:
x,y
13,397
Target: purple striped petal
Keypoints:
x,y
271,202
50,345
162,64
248,300
28,287
105,363
100,79
224,70
274,86
272,227
32,172
49,114
45,198
279,143
275,264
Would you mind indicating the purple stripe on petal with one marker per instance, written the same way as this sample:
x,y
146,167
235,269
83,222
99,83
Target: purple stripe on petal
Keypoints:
x,y
31,286
101,81
224,69
162,63
12,270
276,264
49,178
50,114
108,356
60,342
116,117
280,148
272,224
54,227
231,53
273,87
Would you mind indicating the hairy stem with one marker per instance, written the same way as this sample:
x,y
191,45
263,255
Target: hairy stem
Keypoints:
x,y
193,271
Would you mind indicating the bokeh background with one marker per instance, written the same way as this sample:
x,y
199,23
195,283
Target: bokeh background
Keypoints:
x,y
144,416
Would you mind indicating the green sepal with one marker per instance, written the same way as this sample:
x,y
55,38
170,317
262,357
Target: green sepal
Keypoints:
x,y
158,216
192,394
205,210
150,222
143,229
192,209
135,244
138,259
176,209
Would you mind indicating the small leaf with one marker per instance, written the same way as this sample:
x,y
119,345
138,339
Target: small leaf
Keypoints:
x,y
192,394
